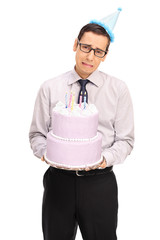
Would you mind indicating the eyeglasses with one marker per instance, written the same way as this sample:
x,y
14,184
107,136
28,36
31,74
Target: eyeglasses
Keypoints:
x,y
87,48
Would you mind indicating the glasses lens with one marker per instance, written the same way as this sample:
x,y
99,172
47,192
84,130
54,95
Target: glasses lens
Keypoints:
x,y
85,48
99,53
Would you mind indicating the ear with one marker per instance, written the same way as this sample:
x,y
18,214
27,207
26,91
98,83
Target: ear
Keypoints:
x,y
104,58
75,45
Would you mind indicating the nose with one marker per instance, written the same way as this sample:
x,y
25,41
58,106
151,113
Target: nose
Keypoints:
x,y
90,55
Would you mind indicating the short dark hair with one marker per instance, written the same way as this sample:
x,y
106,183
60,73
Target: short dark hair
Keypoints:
x,y
95,28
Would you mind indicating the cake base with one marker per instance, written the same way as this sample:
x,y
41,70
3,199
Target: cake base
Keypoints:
x,y
71,167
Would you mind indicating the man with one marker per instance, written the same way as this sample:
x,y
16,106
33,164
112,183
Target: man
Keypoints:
x,y
87,199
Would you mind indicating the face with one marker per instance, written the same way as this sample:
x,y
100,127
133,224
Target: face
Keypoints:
x,y
87,63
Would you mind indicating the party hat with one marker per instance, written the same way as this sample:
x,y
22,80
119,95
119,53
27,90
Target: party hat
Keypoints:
x,y
109,22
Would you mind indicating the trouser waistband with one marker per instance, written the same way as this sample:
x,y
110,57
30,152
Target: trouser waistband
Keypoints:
x,y
83,172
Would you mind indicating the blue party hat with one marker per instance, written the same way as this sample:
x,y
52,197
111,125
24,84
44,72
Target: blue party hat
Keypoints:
x,y
109,22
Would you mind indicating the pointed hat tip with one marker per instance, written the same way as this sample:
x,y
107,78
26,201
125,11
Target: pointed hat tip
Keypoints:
x,y
119,9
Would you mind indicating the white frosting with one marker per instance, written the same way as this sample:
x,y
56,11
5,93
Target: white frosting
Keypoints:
x,y
74,139
71,167
77,111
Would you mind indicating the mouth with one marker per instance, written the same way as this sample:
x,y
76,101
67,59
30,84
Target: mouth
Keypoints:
x,y
87,65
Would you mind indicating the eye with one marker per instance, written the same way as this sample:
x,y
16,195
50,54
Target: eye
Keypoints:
x,y
99,53
85,47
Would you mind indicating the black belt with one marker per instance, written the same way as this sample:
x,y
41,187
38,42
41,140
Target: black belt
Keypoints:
x,y
81,173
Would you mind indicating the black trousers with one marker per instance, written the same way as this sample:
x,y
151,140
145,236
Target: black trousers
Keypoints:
x,y
89,202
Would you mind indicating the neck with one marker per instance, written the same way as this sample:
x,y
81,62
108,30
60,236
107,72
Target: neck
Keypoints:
x,y
82,76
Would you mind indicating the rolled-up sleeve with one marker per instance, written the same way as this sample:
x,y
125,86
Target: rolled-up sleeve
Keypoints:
x,y
40,122
123,129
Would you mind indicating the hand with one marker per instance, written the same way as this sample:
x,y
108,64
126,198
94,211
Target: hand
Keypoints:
x,y
103,164
43,159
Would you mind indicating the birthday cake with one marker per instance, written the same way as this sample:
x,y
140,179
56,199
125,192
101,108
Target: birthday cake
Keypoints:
x,y
73,142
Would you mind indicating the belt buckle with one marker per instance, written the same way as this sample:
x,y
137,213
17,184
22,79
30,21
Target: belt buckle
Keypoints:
x,y
79,175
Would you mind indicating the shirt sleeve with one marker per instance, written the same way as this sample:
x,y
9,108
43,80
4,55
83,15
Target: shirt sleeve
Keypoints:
x,y
40,122
123,129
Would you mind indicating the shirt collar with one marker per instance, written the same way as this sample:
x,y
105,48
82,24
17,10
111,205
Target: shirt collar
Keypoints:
x,y
95,78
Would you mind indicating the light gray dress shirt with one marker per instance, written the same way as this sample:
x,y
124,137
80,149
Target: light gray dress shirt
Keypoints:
x,y
113,101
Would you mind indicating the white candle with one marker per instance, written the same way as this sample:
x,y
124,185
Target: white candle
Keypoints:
x,y
85,100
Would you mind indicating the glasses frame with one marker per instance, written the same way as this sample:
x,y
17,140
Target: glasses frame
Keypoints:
x,y
94,49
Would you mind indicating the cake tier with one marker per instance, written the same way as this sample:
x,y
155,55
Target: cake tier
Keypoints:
x,y
73,154
69,126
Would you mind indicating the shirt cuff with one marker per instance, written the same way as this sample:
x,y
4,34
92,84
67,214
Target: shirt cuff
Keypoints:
x,y
109,158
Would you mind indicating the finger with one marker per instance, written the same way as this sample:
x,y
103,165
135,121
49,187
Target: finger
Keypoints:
x,y
104,164
87,169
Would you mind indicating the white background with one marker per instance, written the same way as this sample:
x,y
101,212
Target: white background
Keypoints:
x,y
36,39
